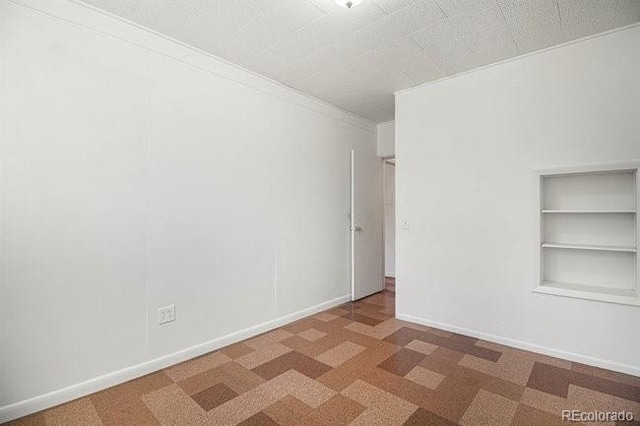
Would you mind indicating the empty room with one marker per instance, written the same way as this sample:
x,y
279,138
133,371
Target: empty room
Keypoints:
x,y
319,212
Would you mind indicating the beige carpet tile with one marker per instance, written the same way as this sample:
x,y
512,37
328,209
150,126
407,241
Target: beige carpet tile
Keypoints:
x,y
246,405
337,411
543,401
80,412
379,331
358,366
606,374
292,360
512,368
263,355
382,407
214,396
422,417
452,398
288,411
590,400
427,378
259,419
232,374
422,347
307,390
134,412
312,334
129,391
172,406
402,362
197,365
529,416
237,350
31,420
325,316
401,387
340,354
122,405
489,409
267,339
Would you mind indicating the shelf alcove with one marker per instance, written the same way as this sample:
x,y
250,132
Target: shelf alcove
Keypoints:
x,y
589,233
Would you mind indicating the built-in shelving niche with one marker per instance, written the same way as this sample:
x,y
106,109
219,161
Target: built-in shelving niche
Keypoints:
x,y
589,233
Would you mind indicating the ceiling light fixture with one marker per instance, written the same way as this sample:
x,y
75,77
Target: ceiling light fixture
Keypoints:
x,y
348,3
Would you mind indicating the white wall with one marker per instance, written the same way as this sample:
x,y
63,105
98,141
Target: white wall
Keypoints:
x,y
386,139
389,220
136,173
468,147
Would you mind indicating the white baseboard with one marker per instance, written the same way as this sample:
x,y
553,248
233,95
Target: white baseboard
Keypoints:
x,y
42,402
569,356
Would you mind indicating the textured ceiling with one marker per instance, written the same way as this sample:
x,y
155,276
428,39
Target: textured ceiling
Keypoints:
x,y
356,58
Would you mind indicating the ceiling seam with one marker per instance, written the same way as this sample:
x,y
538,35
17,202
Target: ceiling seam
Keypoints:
x,y
441,9
560,20
378,6
408,76
406,37
279,42
422,52
313,3
257,18
506,24
388,15
447,19
191,15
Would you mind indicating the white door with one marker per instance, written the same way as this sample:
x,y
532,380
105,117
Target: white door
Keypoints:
x,y
367,271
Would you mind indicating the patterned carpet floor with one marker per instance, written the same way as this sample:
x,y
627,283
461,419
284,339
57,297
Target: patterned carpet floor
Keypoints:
x,y
357,365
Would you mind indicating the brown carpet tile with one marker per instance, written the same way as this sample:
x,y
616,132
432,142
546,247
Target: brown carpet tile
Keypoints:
x,y
356,365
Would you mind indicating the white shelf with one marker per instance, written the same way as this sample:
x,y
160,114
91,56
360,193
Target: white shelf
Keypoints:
x,y
613,190
589,211
603,294
589,247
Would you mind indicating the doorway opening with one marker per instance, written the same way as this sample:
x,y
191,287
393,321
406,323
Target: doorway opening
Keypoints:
x,y
389,198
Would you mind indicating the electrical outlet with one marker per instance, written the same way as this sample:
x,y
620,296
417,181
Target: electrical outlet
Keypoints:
x,y
166,314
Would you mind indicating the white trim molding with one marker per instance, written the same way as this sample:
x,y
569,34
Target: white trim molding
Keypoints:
x,y
519,344
42,402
